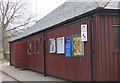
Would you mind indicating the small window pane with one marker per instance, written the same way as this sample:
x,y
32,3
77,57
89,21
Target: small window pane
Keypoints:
x,y
117,38
52,48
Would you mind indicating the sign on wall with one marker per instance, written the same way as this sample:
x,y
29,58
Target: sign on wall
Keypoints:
x,y
60,45
77,46
52,48
67,46
84,32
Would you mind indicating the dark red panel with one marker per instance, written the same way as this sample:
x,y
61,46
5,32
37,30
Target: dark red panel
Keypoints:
x,y
20,55
73,68
105,59
119,67
12,55
36,60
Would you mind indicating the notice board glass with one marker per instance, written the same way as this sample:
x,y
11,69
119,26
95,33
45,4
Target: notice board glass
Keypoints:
x,y
77,46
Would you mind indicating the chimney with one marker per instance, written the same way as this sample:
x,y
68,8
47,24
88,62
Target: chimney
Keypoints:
x,y
103,3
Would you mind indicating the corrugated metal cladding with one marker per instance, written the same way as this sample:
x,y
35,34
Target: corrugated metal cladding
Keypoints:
x,y
12,53
20,55
119,67
21,59
106,60
73,68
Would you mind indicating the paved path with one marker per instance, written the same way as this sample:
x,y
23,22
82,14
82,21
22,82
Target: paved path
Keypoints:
x,y
6,77
0,73
26,75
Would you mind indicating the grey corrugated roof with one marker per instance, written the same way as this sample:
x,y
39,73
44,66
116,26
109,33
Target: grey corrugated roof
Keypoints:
x,y
113,4
64,12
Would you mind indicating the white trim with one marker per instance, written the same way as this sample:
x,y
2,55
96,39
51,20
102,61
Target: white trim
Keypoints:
x,y
53,46
60,46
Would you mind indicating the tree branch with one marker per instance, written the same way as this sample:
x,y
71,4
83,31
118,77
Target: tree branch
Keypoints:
x,y
2,8
12,13
18,26
7,8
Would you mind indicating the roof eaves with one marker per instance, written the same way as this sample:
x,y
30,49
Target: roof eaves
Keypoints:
x,y
98,9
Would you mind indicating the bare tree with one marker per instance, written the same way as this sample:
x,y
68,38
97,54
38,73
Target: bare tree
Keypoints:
x,y
13,14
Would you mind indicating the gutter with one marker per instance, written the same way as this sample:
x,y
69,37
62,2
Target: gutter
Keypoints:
x,y
95,11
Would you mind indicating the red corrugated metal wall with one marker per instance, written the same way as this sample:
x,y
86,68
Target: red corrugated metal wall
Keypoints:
x,y
73,68
36,60
12,56
105,58
20,55
119,67
106,65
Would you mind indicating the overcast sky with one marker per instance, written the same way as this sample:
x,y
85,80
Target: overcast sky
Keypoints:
x,y
43,7
40,8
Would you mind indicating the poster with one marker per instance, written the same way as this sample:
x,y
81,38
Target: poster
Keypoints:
x,y
60,45
77,46
67,46
52,48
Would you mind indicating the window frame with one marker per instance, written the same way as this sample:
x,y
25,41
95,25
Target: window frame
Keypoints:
x,y
53,45
117,38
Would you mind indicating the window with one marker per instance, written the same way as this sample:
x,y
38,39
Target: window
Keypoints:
x,y
52,48
33,47
29,48
36,46
60,45
117,37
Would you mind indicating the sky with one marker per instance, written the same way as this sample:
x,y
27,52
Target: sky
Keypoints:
x,y
40,8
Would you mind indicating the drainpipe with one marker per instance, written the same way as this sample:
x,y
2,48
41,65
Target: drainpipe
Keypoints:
x,y
44,55
10,52
91,48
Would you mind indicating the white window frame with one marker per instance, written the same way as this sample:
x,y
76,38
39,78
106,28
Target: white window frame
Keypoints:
x,y
61,46
52,46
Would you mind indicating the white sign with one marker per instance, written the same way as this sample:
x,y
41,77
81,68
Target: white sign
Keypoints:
x,y
84,32
60,45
